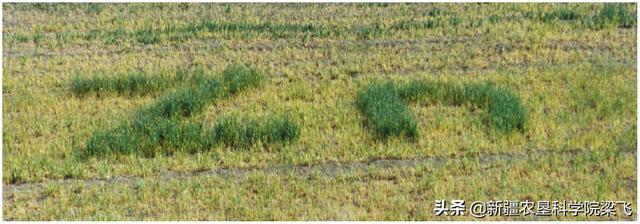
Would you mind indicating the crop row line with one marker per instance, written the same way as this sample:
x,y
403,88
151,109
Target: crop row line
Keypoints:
x,y
609,16
331,169
260,46
387,43
453,69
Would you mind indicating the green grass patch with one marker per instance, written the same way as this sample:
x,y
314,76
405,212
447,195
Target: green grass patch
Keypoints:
x,y
562,13
146,136
187,102
134,83
239,77
613,15
385,105
159,126
237,133
506,113
147,36
150,136
387,114
202,91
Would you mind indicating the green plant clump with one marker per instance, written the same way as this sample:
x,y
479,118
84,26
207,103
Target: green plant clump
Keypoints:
x,y
386,105
612,15
563,13
159,126
187,102
233,132
134,83
239,77
387,114
506,113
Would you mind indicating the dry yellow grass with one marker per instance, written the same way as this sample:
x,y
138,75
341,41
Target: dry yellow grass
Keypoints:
x,y
577,83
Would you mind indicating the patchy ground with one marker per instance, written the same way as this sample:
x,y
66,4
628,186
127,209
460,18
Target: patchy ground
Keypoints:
x,y
572,67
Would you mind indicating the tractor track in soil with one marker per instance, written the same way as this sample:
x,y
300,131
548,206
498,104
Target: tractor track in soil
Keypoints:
x,y
331,169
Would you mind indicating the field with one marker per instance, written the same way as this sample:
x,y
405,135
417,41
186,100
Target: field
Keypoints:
x,y
314,111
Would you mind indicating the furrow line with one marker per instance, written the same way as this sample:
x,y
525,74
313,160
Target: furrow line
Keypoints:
x,y
331,169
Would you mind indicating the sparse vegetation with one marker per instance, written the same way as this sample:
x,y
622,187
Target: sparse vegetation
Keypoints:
x,y
498,101
616,15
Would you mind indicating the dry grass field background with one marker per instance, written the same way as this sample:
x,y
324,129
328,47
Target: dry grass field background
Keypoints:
x,y
571,66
